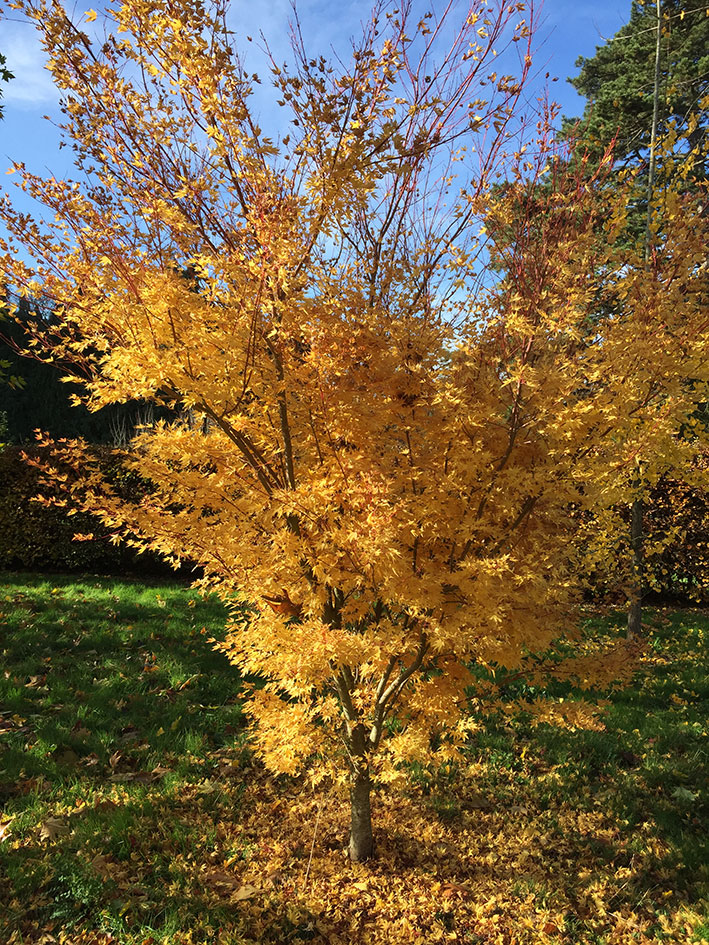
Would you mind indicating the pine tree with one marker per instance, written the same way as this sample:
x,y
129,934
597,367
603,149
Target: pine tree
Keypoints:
x,y
618,81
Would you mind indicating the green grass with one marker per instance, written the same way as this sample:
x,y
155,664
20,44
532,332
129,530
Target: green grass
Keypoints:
x,y
111,703
648,769
125,781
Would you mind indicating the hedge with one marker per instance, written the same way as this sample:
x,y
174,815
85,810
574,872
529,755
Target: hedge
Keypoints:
x,y
35,537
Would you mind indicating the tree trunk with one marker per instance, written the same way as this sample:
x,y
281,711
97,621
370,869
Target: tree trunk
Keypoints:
x,y
635,610
361,828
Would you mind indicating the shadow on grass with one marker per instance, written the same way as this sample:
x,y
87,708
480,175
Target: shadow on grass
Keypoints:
x,y
95,667
647,773
166,863
111,702
133,811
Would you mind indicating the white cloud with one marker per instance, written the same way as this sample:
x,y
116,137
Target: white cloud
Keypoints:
x,y
32,86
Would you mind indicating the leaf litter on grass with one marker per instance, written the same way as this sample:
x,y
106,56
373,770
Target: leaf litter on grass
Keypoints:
x,y
178,836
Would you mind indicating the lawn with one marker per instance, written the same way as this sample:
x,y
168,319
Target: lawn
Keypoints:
x,y
133,811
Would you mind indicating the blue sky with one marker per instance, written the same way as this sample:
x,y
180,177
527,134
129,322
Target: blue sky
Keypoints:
x,y
567,30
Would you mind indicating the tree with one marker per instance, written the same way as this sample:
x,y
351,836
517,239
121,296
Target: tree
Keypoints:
x,y
648,81
33,396
387,450
618,81
5,76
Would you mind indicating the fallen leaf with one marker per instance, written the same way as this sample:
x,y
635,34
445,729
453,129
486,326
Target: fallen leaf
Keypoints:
x,y
476,802
245,892
104,805
230,885
160,772
450,890
684,795
54,827
66,756
100,864
220,878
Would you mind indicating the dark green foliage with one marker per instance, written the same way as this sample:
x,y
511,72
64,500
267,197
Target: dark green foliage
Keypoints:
x,y
618,81
36,537
34,396
5,76
681,570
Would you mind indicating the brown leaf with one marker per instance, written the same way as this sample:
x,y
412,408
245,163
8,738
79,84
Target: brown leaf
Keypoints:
x,y
66,756
476,802
101,864
159,771
54,827
450,890
104,805
33,784
5,830
220,878
228,884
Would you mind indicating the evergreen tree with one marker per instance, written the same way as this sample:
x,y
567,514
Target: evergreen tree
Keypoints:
x,y
639,86
618,81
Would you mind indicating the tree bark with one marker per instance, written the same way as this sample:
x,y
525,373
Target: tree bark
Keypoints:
x,y
635,609
361,843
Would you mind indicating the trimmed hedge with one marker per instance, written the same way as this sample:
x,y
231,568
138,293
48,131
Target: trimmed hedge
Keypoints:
x,y
34,537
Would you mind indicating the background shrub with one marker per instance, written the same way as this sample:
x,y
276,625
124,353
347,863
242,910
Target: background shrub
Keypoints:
x,y
35,537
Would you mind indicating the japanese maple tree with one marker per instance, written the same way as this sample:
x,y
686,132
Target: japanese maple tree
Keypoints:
x,y
384,417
